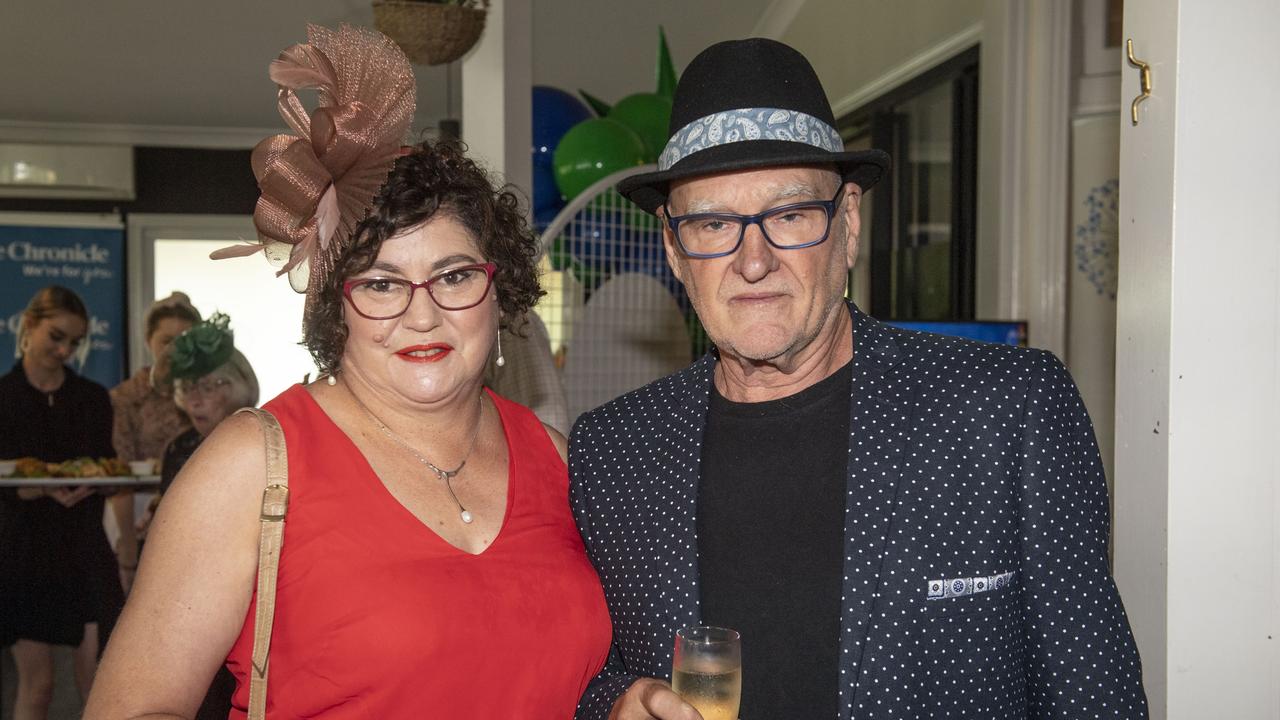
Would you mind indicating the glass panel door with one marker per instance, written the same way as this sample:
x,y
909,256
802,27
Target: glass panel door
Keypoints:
x,y
266,315
917,258
922,261
171,252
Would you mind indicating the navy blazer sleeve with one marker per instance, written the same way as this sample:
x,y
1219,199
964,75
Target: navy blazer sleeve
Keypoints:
x,y
1080,658
612,680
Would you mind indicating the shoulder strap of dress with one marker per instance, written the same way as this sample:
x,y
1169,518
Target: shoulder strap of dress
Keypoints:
x,y
275,504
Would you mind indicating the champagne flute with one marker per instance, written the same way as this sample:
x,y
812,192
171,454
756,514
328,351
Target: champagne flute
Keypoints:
x,y
706,670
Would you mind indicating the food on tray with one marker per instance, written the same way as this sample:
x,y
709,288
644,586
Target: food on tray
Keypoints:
x,y
114,467
81,467
31,467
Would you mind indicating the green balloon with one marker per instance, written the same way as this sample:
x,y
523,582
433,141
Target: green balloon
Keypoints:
x,y
561,260
589,278
608,202
648,223
648,114
560,257
594,149
612,207
698,340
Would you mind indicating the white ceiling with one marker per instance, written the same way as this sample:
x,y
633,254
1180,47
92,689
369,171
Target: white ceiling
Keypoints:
x,y
203,64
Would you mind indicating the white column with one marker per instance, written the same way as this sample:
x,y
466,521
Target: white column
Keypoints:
x,y
1044,186
1001,137
497,82
1198,358
1022,200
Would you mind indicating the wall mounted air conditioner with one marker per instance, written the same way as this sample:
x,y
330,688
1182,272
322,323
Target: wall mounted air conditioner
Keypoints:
x,y
88,172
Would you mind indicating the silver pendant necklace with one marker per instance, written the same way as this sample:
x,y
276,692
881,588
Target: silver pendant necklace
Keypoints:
x,y
445,475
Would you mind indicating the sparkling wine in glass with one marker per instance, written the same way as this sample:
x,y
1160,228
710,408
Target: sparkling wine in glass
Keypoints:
x,y
706,670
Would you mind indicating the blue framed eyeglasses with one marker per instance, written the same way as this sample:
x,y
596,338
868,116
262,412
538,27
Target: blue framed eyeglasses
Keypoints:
x,y
787,227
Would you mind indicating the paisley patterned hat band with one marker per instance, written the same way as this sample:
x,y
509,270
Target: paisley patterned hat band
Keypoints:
x,y
749,104
745,124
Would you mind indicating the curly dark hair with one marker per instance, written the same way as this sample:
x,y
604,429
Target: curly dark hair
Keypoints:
x,y
434,178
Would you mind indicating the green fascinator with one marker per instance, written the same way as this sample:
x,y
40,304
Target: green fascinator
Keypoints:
x,y
202,349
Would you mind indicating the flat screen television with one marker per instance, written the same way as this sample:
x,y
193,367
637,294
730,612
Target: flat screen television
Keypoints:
x,y
1012,332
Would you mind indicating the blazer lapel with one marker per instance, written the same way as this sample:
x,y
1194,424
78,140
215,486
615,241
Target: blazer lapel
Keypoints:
x,y
880,402
879,417
681,460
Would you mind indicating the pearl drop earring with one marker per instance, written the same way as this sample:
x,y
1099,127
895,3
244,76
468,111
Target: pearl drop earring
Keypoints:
x,y
331,380
501,360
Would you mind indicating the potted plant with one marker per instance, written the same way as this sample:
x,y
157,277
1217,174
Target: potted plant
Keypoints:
x,y
431,32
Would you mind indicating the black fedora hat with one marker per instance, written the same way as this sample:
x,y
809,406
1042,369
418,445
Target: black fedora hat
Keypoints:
x,y
746,104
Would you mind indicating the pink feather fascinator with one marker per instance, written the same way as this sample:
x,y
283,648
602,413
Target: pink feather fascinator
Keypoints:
x,y
319,183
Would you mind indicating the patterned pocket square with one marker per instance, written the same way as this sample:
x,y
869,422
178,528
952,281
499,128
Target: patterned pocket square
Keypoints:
x,y
960,587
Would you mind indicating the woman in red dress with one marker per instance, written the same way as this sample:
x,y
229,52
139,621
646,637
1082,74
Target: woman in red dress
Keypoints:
x,y
431,566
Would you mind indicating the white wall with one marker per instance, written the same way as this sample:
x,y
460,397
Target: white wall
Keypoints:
x,y
1023,142
1198,359
497,95
185,74
1091,300
610,49
1093,265
1224,478
853,43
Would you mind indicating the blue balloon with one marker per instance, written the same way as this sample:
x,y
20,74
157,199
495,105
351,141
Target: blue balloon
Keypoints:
x,y
554,112
596,239
604,240
545,193
543,216
645,254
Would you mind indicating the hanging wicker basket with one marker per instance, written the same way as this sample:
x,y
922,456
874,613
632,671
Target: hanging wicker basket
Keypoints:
x,y
430,33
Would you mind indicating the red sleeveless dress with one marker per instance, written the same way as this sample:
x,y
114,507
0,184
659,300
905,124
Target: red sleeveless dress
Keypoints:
x,y
377,617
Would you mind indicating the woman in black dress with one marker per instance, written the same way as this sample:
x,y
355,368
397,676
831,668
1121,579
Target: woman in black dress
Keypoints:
x,y
58,577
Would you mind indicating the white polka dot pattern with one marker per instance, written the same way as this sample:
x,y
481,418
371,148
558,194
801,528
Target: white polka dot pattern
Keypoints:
x,y
965,460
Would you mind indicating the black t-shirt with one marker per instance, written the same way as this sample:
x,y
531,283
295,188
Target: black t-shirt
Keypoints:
x,y
771,542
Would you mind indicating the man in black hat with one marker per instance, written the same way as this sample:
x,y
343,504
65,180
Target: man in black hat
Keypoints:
x,y
900,525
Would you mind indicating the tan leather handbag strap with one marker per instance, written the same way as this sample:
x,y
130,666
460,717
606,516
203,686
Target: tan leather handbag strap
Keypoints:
x,y
275,504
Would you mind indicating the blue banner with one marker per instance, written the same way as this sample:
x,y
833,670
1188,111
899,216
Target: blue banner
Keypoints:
x,y
87,260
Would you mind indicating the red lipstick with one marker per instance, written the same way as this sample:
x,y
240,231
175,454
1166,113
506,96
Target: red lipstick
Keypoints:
x,y
425,353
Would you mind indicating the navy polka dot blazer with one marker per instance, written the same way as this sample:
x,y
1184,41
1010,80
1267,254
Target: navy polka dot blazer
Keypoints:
x,y
976,579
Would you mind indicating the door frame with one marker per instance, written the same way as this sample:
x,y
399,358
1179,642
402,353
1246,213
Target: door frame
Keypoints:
x,y
143,230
